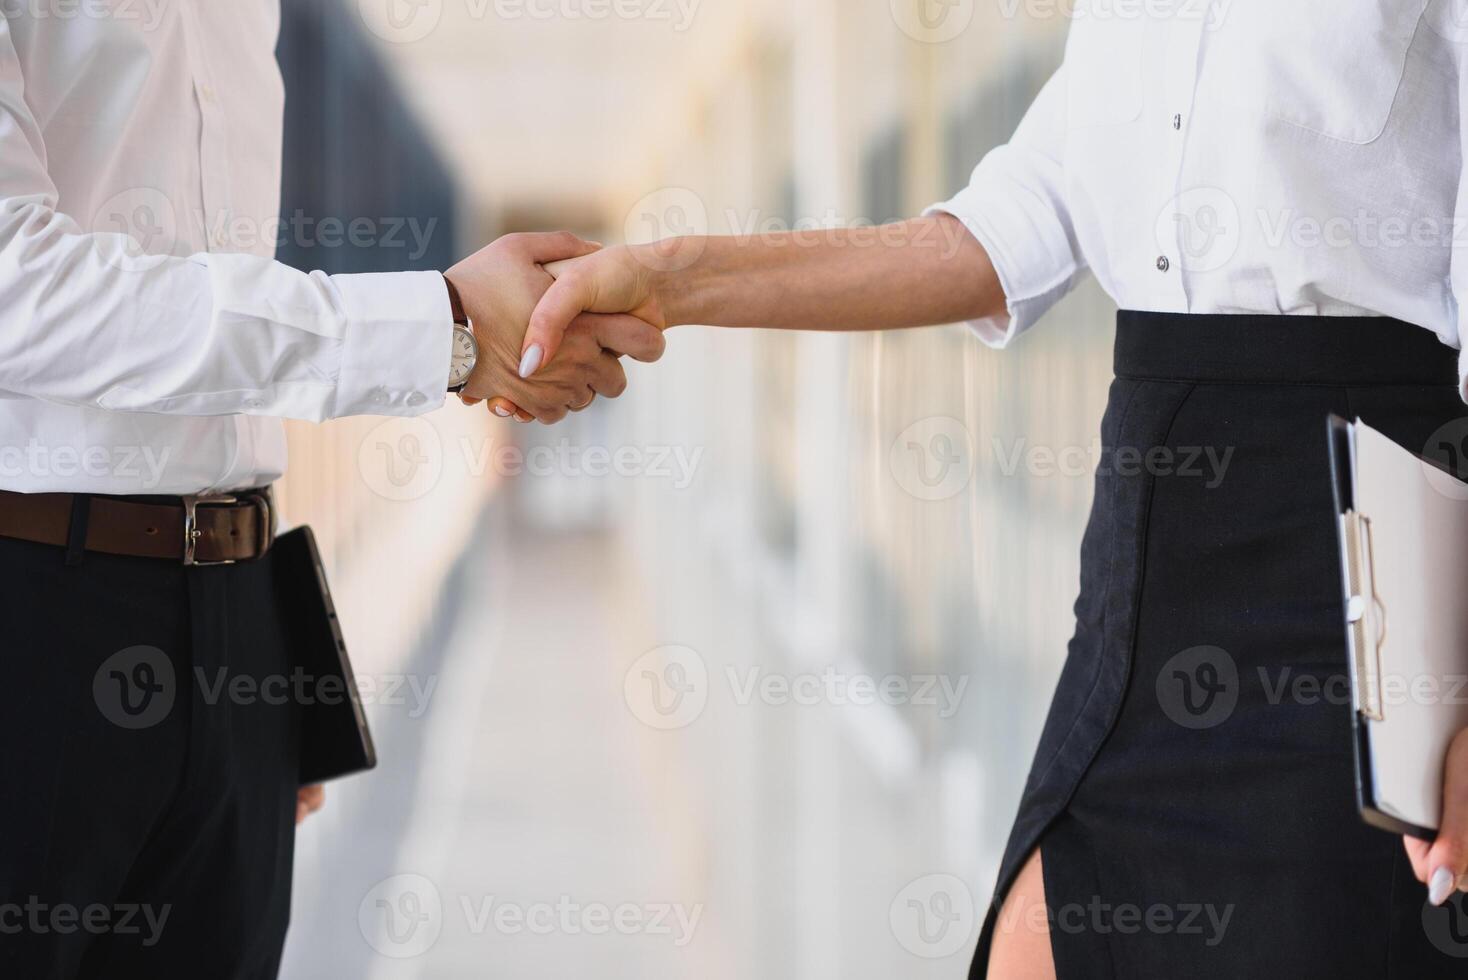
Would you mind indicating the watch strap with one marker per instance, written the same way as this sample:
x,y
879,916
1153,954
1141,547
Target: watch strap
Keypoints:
x,y
461,322
456,305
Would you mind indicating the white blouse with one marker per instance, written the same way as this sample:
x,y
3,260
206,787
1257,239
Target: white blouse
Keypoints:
x,y
1239,156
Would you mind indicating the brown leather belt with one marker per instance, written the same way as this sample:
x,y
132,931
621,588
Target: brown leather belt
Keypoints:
x,y
203,530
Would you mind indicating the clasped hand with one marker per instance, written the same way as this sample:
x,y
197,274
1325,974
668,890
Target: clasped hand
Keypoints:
x,y
500,287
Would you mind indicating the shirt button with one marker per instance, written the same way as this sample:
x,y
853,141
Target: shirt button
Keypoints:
x,y
207,92
379,396
1163,264
416,398
1177,121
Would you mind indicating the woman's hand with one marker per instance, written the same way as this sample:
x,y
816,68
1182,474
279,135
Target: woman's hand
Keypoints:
x,y
1443,865
614,280
499,287
618,280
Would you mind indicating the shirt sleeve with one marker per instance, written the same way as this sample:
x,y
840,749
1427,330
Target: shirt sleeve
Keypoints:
x,y
1015,206
87,319
1456,30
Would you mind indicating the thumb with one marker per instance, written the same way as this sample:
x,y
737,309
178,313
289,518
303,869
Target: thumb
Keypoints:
x,y
553,246
567,297
1447,861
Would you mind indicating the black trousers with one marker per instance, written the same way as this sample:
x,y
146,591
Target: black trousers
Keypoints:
x,y
147,768
1193,793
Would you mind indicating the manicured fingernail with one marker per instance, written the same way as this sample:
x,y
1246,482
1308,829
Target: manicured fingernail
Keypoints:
x,y
501,411
1442,886
530,363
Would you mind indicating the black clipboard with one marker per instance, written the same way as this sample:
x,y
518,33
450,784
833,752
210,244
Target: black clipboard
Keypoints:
x,y
1342,478
335,740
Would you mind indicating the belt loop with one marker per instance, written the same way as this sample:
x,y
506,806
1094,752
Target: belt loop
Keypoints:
x,y
76,534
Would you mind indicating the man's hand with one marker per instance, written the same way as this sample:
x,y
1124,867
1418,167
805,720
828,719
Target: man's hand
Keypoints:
x,y
309,799
499,287
1443,865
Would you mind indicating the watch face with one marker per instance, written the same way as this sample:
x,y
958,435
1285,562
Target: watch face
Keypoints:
x,y
465,355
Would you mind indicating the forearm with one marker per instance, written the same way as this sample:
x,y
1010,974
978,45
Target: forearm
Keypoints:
x,y
86,321
912,273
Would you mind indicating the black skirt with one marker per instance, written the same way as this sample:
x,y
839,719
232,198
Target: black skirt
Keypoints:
x,y
1193,795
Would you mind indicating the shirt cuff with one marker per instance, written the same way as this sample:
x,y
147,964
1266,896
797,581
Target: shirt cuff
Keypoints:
x,y
397,345
1030,252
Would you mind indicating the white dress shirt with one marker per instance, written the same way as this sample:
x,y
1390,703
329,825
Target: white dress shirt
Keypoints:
x,y
148,341
1240,156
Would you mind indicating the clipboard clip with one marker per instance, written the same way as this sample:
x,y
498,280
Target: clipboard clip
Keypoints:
x,y
1365,614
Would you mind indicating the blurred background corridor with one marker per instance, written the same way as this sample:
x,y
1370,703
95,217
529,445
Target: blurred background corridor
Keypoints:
x,y
738,676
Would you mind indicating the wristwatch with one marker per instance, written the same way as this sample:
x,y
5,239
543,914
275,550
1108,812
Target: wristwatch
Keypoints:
x,y
465,350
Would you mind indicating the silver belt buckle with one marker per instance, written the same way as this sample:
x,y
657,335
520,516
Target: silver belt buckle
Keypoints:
x,y
192,534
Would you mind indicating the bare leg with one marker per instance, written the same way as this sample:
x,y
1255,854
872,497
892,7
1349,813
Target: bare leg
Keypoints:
x,y
1021,948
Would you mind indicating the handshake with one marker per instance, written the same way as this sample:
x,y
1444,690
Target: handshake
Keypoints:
x,y
540,354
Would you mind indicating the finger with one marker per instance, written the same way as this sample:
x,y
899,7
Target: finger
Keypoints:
x,y
554,246
503,407
607,376
309,799
559,269
1448,860
1417,851
626,335
584,402
561,304
533,406
552,416
469,401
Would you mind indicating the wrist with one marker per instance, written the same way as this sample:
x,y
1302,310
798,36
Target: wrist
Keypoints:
x,y
464,353
674,273
456,303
